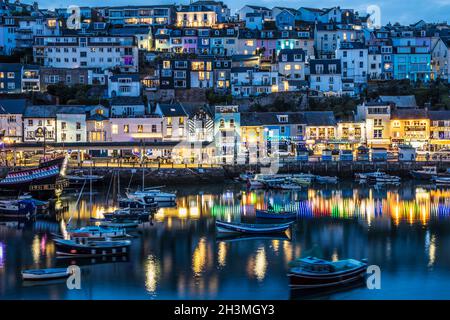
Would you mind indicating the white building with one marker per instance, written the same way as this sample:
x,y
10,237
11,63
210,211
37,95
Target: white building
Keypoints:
x,y
11,125
103,52
55,123
251,81
174,123
325,76
242,13
354,61
136,128
124,85
441,58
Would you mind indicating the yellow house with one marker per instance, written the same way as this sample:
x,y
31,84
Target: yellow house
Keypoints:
x,y
206,18
439,129
410,126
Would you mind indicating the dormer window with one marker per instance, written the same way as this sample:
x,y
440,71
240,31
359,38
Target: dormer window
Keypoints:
x,y
283,118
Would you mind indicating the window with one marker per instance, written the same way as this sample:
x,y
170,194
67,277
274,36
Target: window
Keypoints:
x,y
30,122
78,137
154,130
11,75
115,129
63,125
140,128
377,122
126,128
63,137
378,134
78,125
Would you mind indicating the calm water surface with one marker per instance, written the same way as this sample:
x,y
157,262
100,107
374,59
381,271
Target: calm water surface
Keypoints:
x,y
406,231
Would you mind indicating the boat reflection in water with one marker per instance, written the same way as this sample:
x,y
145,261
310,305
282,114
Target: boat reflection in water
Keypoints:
x,y
179,254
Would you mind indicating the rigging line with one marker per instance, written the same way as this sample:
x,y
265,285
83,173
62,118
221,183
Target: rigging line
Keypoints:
x,y
109,187
76,204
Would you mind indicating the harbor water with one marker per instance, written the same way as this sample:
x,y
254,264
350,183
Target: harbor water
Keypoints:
x,y
405,230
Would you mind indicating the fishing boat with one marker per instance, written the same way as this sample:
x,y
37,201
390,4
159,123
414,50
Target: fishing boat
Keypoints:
x,y
312,273
17,208
90,248
40,180
97,232
45,274
270,214
236,227
443,181
326,179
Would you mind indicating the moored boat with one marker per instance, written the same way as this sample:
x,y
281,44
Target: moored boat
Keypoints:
x,y
302,181
97,232
156,194
81,179
88,248
314,273
270,214
128,213
382,177
40,180
326,179
445,181
236,227
45,274
426,173
17,208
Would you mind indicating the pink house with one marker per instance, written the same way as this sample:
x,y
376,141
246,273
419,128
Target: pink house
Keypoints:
x,y
189,44
269,46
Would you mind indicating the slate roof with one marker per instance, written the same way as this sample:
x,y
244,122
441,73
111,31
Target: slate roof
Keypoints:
x,y
326,63
405,114
400,101
50,111
134,76
270,118
320,118
13,106
439,115
173,110
129,101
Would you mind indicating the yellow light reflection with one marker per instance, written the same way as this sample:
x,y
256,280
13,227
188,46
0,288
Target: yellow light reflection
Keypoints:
x,y
152,273
199,257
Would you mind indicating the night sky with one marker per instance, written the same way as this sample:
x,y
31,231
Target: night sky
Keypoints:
x,y
403,11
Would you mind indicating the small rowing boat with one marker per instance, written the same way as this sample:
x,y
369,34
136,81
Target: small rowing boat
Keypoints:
x,y
45,274
313,273
237,227
270,214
